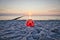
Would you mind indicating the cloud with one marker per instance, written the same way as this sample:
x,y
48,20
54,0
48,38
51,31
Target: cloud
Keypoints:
x,y
8,14
55,10
2,9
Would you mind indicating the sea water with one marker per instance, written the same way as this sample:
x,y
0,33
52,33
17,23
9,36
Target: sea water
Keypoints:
x,y
32,17
17,30
45,28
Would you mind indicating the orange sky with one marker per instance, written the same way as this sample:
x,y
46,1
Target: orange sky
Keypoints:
x,y
31,7
41,12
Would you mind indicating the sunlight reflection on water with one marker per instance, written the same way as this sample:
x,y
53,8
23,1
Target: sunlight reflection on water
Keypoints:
x,y
32,17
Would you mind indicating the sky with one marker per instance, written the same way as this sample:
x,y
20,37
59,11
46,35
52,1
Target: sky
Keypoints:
x,y
29,7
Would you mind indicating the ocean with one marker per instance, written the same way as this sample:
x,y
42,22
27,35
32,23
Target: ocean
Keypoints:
x,y
32,17
45,28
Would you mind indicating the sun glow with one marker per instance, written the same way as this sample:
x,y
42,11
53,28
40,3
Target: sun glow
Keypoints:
x,y
30,14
